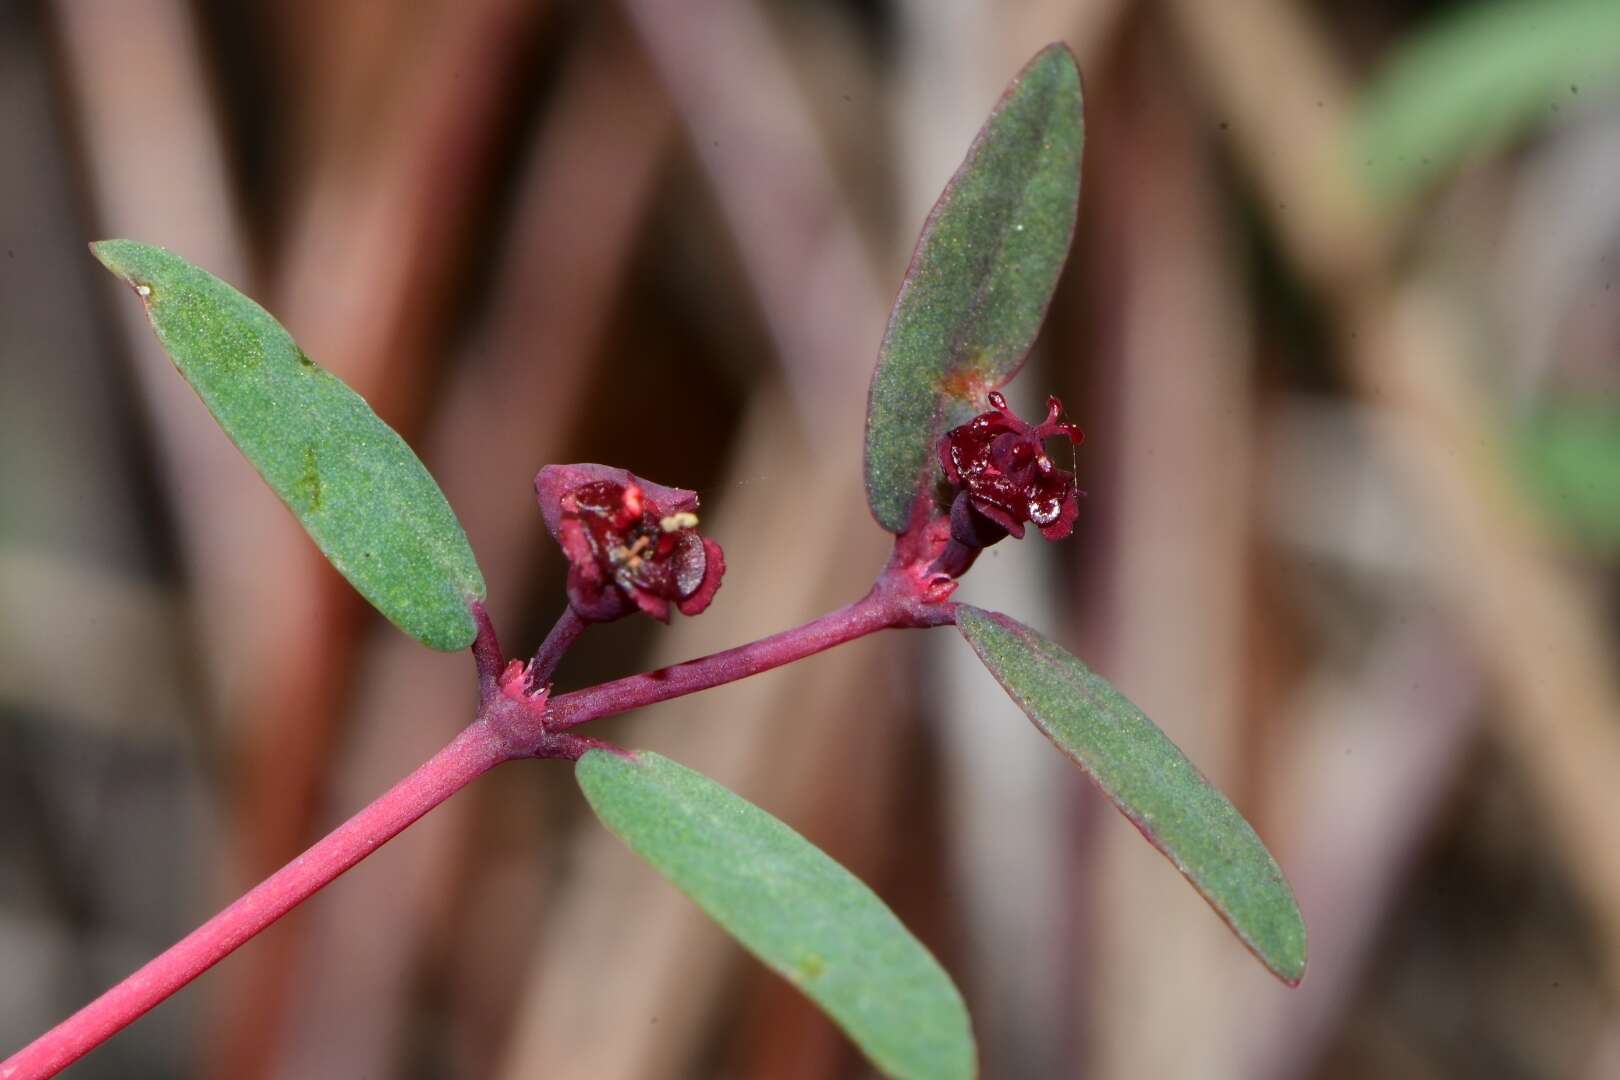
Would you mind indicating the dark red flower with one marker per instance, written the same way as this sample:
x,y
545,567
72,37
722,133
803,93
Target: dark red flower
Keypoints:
x,y
1006,477
630,543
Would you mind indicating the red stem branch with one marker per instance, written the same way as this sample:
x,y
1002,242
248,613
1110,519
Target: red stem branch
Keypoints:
x,y
563,634
472,753
878,610
512,722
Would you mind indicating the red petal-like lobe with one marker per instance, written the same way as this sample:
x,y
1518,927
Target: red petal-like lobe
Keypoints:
x,y
1014,527
651,603
596,600
947,461
576,546
714,570
1064,525
555,481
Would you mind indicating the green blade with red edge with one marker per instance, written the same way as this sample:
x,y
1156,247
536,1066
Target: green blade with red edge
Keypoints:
x,y
366,500
979,283
787,902
1151,781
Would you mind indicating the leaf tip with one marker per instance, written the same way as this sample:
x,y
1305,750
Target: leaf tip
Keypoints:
x,y
1057,52
1291,967
109,253
1281,944
1056,61
118,256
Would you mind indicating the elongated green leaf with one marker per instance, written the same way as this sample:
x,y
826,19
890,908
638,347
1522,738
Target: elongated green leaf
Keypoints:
x,y
351,481
1477,78
806,917
979,282
1151,781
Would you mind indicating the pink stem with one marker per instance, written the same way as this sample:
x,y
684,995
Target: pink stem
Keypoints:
x,y
505,729
876,611
475,751
567,630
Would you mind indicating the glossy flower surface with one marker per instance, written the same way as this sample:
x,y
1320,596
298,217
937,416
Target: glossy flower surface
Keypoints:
x,y
631,544
1006,477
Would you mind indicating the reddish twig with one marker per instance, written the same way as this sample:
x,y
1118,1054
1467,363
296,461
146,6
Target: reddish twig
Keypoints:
x,y
878,610
514,720
471,754
552,650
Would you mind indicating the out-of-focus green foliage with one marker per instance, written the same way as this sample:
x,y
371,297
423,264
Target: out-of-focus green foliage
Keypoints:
x,y
1569,457
1475,80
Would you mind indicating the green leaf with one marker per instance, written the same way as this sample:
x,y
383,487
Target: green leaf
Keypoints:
x,y
788,903
979,283
364,497
1478,78
1569,457
1151,782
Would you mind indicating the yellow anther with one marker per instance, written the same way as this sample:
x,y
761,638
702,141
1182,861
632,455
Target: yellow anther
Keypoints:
x,y
630,557
675,522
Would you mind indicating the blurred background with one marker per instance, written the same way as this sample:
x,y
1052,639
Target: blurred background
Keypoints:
x,y
1341,326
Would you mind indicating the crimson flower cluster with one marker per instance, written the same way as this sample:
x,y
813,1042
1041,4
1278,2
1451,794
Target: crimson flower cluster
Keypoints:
x,y
1005,478
631,544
